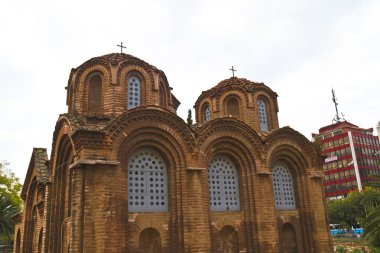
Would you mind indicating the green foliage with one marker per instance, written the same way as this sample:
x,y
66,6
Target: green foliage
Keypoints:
x,y
189,117
341,249
345,211
371,220
356,251
10,201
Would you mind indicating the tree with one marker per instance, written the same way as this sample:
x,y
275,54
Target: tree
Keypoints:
x,y
10,201
371,220
346,210
189,118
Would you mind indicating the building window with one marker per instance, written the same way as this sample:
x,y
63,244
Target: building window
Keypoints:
x,y
223,184
134,92
207,112
147,182
95,94
263,115
283,187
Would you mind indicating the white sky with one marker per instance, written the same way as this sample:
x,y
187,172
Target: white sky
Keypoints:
x,y
299,48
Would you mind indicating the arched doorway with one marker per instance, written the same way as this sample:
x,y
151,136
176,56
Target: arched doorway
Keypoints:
x,y
150,241
288,239
229,239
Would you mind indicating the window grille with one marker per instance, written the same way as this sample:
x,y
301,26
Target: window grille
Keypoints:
x,y
147,182
134,92
263,116
283,187
207,113
223,184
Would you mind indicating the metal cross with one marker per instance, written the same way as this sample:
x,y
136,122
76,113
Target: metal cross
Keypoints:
x,y
233,71
121,47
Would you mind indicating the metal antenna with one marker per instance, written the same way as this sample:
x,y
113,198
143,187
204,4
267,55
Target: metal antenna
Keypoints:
x,y
335,100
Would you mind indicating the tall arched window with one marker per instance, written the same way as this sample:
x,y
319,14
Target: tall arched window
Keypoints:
x,y
207,112
95,94
147,182
223,184
283,187
134,92
263,115
233,109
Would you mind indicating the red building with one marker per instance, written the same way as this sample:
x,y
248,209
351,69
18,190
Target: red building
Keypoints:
x,y
352,156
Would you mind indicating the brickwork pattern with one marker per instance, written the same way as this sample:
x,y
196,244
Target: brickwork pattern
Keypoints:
x,y
85,204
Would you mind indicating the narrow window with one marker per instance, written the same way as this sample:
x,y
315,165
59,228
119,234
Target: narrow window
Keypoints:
x,y
223,184
95,94
263,115
207,112
283,187
134,92
147,182
233,107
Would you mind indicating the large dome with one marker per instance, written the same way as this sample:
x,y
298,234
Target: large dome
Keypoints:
x,y
110,84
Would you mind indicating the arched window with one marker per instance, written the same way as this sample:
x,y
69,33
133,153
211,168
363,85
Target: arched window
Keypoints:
x,y
263,115
233,107
134,92
223,184
207,112
95,94
147,182
283,187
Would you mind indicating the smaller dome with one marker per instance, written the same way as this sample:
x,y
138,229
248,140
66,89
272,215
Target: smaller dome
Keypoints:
x,y
253,103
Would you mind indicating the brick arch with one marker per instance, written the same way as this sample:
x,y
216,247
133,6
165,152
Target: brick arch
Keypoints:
x,y
233,91
175,159
145,77
292,138
270,109
220,130
61,188
161,120
81,92
62,128
150,241
199,110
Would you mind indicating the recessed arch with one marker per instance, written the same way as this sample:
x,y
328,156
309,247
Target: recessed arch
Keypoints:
x,y
206,112
94,93
288,239
229,238
150,241
233,106
147,181
223,180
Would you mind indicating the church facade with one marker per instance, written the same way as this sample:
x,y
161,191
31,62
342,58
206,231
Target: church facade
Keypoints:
x,y
126,174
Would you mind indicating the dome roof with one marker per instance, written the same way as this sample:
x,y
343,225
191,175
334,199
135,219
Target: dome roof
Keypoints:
x,y
117,58
235,83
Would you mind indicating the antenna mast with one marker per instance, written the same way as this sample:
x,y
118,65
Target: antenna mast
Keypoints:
x,y
335,100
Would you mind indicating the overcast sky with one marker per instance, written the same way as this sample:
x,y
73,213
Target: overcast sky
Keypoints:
x,y
300,48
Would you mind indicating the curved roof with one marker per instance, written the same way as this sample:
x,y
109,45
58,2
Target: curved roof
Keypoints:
x,y
235,82
116,58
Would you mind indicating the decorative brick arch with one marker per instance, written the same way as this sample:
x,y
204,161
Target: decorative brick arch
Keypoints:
x,y
145,79
81,90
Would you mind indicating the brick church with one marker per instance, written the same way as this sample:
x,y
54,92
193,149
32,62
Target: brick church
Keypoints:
x,y
126,174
